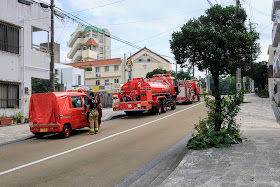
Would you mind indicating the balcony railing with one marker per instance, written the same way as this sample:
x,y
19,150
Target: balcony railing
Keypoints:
x,y
40,48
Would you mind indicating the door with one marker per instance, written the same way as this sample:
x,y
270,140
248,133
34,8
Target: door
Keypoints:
x,y
83,119
78,112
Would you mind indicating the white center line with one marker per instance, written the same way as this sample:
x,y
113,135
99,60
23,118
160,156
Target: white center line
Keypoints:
x,y
88,144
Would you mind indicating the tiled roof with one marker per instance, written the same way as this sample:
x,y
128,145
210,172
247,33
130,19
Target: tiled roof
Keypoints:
x,y
148,50
91,42
97,62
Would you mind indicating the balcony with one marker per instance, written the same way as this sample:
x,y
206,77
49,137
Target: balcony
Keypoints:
x,y
75,35
77,44
275,6
77,56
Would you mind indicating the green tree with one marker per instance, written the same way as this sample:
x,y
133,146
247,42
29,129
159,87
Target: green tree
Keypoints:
x,y
218,41
181,75
41,85
156,71
259,74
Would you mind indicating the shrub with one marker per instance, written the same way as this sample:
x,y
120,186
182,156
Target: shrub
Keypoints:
x,y
206,137
263,93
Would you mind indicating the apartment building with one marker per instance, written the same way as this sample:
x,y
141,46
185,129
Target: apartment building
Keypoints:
x,y
89,43
104,74
274,49
23,26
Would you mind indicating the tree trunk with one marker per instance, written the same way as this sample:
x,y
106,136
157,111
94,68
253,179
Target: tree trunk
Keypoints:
x,y
218,109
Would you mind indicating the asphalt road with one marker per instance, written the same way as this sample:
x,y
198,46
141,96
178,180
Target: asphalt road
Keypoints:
x,y
121,147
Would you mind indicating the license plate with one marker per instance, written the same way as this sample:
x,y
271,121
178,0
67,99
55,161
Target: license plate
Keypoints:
x,y
74,90
116,104
43,129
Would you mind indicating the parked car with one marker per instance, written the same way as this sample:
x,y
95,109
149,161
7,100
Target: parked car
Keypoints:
x,y
57,112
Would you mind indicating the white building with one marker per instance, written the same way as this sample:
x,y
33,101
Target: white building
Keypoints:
x,y
89,43
22,28
69,76
145,61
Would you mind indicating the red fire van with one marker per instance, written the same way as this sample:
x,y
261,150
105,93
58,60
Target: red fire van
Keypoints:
x,y
57,112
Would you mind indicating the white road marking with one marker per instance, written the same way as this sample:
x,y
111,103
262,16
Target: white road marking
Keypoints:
x,y
94,142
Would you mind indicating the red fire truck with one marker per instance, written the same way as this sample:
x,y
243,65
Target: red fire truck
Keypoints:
x,y
141,94
189,91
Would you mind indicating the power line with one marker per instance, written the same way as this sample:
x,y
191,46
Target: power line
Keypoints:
x,y
153,19
148,37
99,6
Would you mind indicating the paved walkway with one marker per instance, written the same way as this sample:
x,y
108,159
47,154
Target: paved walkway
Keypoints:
x,y
21,131
255,162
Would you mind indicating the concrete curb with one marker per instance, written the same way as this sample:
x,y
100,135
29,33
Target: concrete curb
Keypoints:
x,y
276,112
179,149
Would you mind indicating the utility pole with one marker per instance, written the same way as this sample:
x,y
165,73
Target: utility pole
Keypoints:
x,y
238,71
238,3
193,71
52,86
124,66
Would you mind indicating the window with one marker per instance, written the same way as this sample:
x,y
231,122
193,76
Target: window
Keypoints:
x,y
107,82
145,54
84,48
88,47
116,80
56,71
106,68
94,35
85,100
79,80
100,38
89,69
139,60
116,67
9,95
97,69
76,102
84,36
97,82
93,48
101,49
149,60
9,38
87,35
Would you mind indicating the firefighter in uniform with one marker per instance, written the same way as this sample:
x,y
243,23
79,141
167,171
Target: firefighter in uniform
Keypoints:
x,y
92,111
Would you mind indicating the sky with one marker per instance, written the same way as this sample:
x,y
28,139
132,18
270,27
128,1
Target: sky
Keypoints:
x,y
150,23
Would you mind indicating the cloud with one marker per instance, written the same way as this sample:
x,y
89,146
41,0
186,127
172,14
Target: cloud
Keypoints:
x,y
134,20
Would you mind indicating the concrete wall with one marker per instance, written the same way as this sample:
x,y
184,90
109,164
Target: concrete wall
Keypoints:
x,y
271,53
30,62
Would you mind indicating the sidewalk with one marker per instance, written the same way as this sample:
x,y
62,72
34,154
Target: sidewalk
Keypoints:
x,y
19,132
255,162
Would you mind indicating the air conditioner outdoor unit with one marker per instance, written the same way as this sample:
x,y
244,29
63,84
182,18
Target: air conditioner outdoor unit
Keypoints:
x,y
97,75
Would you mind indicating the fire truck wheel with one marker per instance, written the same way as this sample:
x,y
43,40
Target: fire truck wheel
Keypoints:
x,y
39,135
158,109
66,131
163,106
173,107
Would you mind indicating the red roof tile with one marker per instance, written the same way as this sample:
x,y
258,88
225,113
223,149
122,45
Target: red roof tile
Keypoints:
x,y
97,62
91,42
